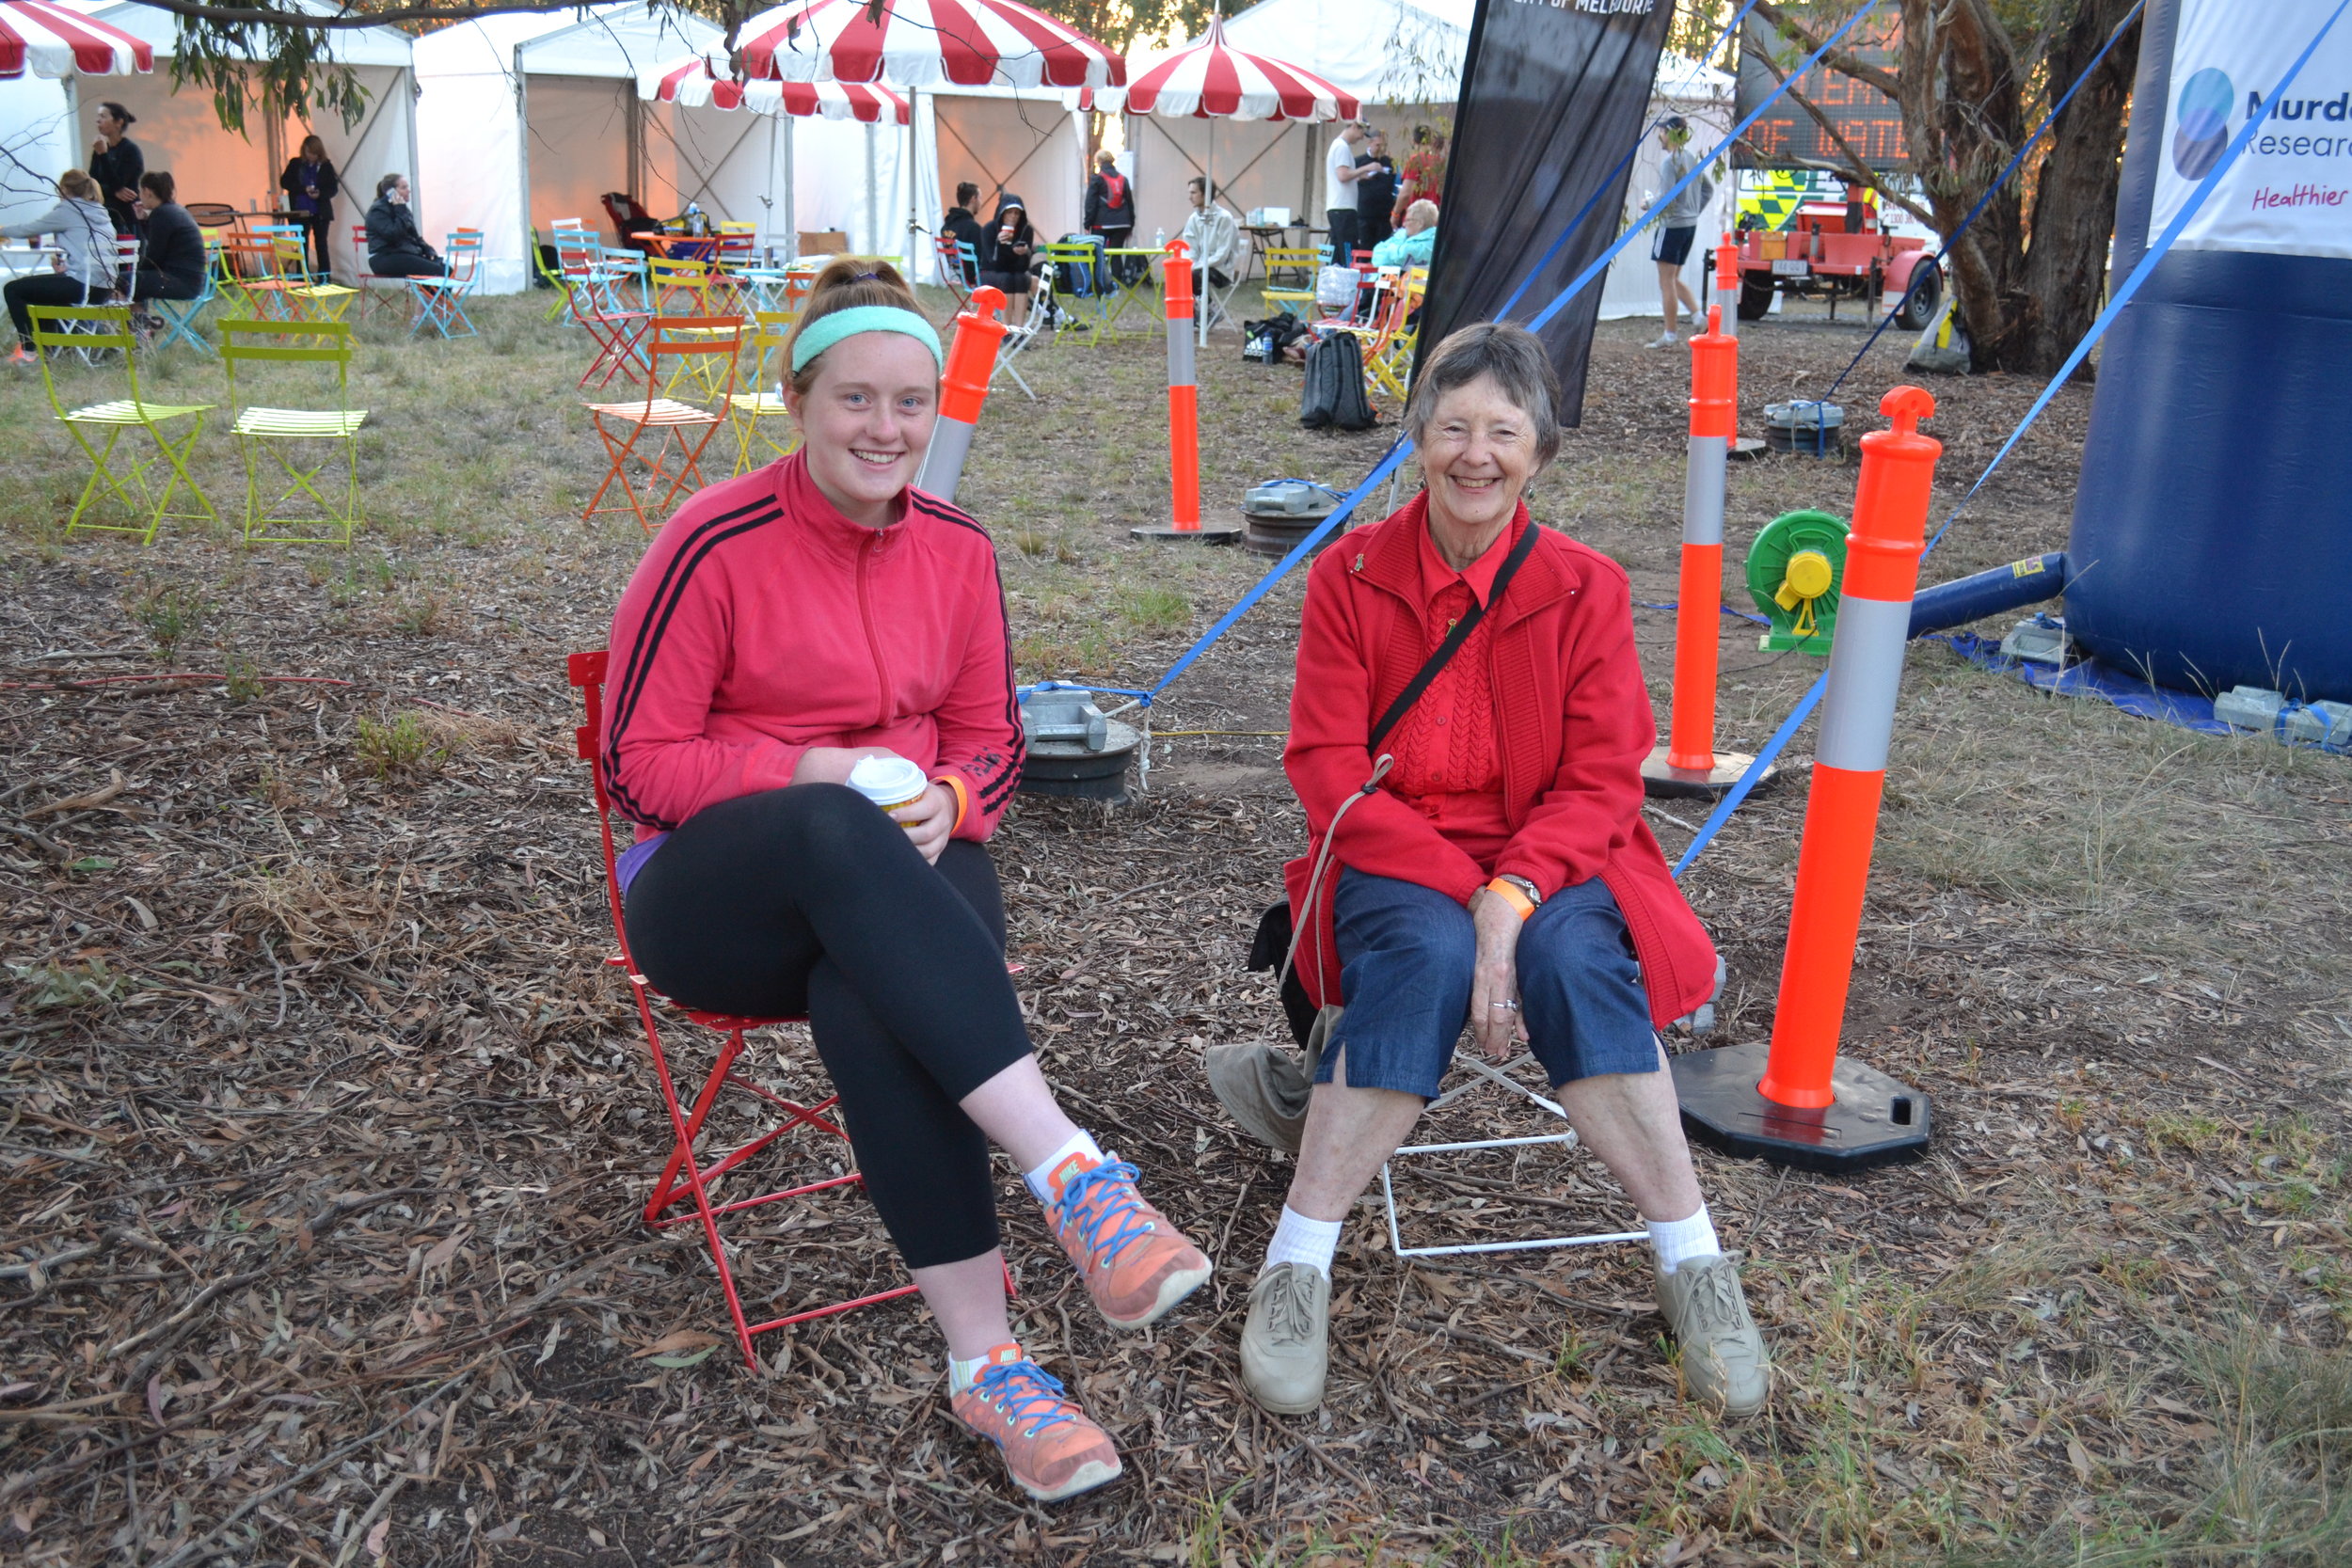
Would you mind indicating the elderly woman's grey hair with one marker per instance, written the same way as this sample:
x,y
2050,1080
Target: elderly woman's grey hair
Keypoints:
x,y
1506,354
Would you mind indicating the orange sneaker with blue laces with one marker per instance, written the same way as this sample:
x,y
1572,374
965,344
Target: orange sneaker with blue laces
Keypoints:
x,y
1050,1447
1135,1264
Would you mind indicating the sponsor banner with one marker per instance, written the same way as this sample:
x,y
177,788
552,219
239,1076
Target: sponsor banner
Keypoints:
x,y
1553,94
2290,192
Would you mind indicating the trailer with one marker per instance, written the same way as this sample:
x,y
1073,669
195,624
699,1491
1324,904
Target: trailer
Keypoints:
x,y
1839,251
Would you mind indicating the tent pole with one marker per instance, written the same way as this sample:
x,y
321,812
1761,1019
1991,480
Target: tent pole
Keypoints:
x,y
1208,285
873,219
791,212
767,191
915,158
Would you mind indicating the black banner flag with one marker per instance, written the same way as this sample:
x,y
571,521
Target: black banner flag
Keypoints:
x,y
1553,94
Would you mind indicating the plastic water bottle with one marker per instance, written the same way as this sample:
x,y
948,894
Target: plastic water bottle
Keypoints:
x,y
693,218
1159,239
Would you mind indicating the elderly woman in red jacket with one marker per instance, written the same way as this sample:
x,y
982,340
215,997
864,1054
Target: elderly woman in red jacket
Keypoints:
x,y
1490,863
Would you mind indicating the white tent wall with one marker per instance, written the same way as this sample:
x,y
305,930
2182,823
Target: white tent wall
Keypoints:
x,y
38,141
1260,163
1632,287
546,105
1029,143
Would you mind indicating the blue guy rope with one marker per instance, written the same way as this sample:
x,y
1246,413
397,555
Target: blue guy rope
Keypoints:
x,y
2131,285
1503,312
1560,302
1404,447
1991,191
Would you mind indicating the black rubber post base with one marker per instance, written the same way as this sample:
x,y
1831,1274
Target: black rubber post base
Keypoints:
x,y
1207,533
1745,448
1876,1121
1662,781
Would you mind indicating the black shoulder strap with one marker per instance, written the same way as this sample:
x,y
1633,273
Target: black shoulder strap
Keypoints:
x,y
1452,643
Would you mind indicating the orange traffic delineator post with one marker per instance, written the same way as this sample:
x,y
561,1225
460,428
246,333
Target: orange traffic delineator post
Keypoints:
x,y
1728,284
1798,1102
1184,413
1688,764
963,392
1728,289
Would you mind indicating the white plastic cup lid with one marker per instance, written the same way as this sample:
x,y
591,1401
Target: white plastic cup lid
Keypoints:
x,y
888,781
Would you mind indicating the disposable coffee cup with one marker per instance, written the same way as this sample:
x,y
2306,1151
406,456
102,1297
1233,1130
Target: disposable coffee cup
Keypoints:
x,y
891,783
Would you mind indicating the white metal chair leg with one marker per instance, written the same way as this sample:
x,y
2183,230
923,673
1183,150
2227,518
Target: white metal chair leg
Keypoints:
x,y
1566,1137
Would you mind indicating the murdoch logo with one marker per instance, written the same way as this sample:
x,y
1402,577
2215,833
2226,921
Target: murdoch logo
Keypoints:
x,y
2203,132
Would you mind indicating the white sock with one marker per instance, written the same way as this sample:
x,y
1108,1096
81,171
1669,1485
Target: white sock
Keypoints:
x,y
1040,1179
961,1374
1301,1240
1676,1242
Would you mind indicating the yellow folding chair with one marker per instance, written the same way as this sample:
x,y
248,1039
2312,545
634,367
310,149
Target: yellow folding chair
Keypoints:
x,y
1303,262
1089,310
757,413
308,296
670,279
325,519
77,328
623,425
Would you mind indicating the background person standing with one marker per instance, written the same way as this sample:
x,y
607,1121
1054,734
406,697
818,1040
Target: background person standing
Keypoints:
x,y
1110,211
1678,226
1339,191
116,163
312,186
1375,192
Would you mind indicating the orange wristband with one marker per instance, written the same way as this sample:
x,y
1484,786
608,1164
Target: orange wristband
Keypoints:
x,y
1510,896
962,793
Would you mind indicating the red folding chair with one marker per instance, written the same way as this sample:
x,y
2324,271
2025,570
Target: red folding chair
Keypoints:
x,y
686,1178
672,346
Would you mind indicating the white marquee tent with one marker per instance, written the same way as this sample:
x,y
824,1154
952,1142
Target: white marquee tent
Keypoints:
x,y
1403,59
526,119
45,125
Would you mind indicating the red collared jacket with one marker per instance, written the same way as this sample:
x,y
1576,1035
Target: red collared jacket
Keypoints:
x,y
1572,721
762,623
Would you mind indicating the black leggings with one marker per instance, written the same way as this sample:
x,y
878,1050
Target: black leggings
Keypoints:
x,y
39,288
808,901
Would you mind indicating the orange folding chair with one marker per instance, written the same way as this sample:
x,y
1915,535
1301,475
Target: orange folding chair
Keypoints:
x,y
671,346
686,1178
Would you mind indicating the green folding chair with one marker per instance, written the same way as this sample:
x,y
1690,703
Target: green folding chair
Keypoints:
x,y
1089,311
89,328
308,511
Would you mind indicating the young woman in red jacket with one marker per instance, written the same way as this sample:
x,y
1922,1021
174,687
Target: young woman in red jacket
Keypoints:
x,y
1499,872
787,627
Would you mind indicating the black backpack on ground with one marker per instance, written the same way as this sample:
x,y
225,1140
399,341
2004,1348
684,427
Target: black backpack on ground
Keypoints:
x,y
1334,394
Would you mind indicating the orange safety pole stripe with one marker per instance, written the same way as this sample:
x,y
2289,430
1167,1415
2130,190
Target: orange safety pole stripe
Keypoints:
x,y
1690,742
1714,379
1832,871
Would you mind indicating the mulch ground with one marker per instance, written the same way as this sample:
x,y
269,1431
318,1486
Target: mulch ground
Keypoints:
x,y
327,1126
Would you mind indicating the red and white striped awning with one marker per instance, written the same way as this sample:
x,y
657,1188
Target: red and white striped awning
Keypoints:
x,y
917,44
693,83
50,41
1213,78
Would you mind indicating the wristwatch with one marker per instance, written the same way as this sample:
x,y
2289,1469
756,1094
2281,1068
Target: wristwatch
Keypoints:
x,y
1534,896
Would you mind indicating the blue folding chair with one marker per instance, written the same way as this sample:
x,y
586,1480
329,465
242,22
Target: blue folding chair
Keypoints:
x,y
442,301
179,317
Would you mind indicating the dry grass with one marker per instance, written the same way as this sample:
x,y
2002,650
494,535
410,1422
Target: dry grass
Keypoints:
x,y
325,1124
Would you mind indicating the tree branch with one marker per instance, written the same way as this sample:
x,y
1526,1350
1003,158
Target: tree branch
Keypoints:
x,y
1855,168
296,21
1836,59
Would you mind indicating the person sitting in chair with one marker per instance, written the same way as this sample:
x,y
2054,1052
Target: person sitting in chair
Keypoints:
x,y
790,635
1211,236
84,230
1009,261
172,248
1413,245
1484,859
396,249
959,225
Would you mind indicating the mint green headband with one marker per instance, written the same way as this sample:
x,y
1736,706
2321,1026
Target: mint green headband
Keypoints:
x,y
825,331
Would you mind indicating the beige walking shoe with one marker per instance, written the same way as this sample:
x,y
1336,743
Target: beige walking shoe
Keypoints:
x,y
1285,1345
1722,1353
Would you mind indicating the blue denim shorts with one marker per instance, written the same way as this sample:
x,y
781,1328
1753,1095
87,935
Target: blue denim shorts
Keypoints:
x,y
1407,953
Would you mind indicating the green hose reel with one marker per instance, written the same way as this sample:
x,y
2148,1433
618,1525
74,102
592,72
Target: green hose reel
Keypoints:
x,y
1796,569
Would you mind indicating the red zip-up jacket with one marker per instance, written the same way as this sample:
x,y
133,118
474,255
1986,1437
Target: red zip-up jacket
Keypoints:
x,y
762,623
1572,721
